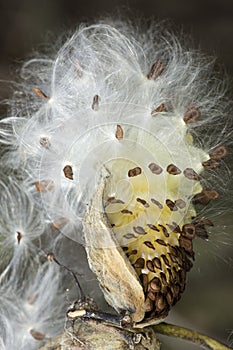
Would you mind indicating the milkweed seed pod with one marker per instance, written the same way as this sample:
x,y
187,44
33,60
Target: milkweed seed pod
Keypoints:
x,y
148,112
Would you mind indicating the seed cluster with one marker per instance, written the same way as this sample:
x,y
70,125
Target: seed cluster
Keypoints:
x,y
160,250
160,253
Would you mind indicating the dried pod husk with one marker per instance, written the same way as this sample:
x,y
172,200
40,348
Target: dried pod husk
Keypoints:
x,y
96,336
117,278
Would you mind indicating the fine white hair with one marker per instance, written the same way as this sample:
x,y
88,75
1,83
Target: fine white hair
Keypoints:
x,y
61,129
32,309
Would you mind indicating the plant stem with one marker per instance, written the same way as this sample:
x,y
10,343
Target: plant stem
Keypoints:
x,y
183,333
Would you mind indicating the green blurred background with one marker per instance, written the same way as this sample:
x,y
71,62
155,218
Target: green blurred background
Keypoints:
x,y
207,304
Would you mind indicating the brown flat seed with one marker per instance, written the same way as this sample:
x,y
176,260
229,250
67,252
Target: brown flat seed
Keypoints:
x,y
125,211
177,291
172,249
95,103
68,172
182,276
159,109
115,201
157,263
37,335
173,257
44,186
177,227
148,304
182,288
186,244
174,228
176,251
169,296
173,169
205,196
165,231
163,278
144,279
139,263
140,230
129,235
201,232
150,266
188,230
160,302
171,205
172,288
149,245
153,227
59,223
134,172
50,257
191,115
143,202
133,252
154,201
180,203
119,132
78,71
165,259
205,221
156,70
155,284
152,295
19,236
190,174
32,299
211,164
39,93
218,152
161,242
187,263
202,221
155,169
44,142
171,277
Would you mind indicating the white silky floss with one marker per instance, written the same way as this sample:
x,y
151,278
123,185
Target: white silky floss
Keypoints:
x,y
129,100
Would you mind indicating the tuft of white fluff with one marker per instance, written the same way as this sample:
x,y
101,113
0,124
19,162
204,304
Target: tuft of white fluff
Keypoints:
x,y
32,309
66,126
21,224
